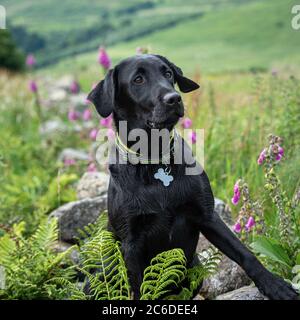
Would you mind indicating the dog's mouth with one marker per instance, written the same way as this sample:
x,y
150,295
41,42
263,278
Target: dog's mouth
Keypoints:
x,y
155,125
161,124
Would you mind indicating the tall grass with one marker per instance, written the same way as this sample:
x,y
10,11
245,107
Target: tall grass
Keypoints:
x,y
237,112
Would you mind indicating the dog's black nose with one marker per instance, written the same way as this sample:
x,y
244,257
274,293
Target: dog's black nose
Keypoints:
x,y
172,98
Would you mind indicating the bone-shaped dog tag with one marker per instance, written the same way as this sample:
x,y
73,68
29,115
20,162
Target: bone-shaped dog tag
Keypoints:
x,y
164,177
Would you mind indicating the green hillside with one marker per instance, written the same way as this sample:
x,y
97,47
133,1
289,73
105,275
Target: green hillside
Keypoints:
x,y
256,36
55,29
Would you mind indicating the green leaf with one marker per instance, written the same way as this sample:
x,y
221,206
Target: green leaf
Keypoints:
x,y
166,270
298,258
271,249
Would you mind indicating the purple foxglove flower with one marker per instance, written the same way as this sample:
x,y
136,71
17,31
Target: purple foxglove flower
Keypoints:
x,y
91,167
278,157
93,134
106,122
186,123
69,162
33,86
73,115
250,223
237,227
87,115
110,134
235,199
30,60
104,59
280,150
236,188
261,157
193,137
74,87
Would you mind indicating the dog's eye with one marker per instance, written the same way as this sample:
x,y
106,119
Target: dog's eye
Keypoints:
x,y
138,80
168,74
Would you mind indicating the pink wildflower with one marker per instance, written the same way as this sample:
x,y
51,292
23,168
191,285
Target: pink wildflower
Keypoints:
x,y
235,199
280,153
280,150
73,115
250,223
110,134
193,137
30,60
87,115
236,188
261,157
33,86
74,87
69,162
186,123
106,122
236,194
142,50
93,134
104,59
91,167
237,227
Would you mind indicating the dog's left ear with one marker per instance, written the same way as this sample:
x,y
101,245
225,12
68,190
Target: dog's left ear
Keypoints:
x,y
185,84
103,95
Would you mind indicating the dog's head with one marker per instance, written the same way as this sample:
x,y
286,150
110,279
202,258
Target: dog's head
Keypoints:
x,y
141,90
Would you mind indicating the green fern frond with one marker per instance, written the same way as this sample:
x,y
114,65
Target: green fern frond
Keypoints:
x,y
209,260
92,229
102,252
73,290
31,265
167,269
46,234
7,247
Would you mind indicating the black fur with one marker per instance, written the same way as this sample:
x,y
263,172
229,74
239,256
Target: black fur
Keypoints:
x,y
146,216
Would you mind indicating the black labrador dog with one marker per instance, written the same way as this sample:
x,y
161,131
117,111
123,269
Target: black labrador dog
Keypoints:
x,y
147,216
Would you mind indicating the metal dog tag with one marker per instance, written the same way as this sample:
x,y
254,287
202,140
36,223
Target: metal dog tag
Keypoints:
x,y
164,176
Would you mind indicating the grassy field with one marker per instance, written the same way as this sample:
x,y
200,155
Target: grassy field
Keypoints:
x,y
227,35
237,112
253,36
72,27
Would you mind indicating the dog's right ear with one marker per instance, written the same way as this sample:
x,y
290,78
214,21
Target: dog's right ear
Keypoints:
x,y
103,95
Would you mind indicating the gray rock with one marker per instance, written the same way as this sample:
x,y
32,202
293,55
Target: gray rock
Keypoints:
x,y
75,215
62,246
57,95
244,293
223,210
52,127
229,277
78,101
75,154
92,184
64,82
203,244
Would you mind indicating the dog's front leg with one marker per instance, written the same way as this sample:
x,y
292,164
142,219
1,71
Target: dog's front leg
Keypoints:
x,y
216,231
132,252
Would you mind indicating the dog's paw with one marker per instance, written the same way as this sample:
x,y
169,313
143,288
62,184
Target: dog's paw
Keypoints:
x,y
276,288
